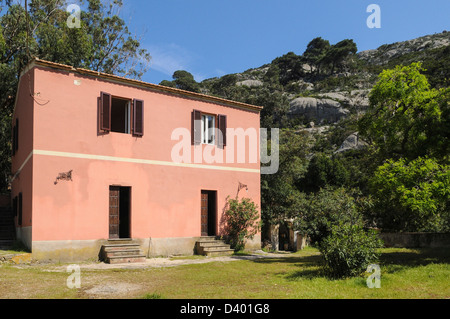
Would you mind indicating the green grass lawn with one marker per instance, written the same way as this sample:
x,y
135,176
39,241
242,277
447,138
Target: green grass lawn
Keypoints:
x,y
406,273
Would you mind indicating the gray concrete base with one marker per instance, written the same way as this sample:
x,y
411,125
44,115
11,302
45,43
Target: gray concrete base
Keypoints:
x,y
88,250
24,235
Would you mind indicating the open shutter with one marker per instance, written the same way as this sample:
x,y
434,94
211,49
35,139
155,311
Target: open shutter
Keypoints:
x,y
222,140
105,112
138,118
197,127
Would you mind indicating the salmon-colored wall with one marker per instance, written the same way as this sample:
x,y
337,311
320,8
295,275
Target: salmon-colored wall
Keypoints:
x,y
165,199
24,111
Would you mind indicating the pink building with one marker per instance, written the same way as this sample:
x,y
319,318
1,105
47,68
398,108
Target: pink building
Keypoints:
x,y
93,160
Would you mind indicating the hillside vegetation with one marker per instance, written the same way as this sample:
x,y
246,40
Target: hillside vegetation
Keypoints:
x,y
362,134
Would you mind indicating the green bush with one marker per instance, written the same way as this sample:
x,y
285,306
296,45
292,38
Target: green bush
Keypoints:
x,y
349,250
325,209
242,222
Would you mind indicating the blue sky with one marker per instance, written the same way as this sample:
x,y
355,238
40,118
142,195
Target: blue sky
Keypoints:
x,y
211,38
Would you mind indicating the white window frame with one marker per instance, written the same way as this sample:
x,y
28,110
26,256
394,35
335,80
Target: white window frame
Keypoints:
x,y
208,133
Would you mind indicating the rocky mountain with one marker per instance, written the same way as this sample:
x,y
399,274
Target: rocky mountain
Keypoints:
x,y
326,98
325,87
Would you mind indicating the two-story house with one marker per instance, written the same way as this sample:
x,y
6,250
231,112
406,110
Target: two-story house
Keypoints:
x,y
96,157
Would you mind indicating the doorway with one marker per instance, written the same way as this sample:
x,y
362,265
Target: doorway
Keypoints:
x,y
208,213
119,212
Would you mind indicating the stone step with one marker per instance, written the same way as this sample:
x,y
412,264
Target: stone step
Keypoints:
x,y
126,259
206,238
212,247
121,252
223,252
120,247
211,243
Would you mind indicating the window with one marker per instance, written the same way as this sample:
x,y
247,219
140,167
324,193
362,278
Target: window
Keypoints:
x,y
208,129
121,115
205,126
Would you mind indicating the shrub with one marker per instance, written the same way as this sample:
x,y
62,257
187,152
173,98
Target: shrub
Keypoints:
x,y
412,196
349,250
324,209
242,222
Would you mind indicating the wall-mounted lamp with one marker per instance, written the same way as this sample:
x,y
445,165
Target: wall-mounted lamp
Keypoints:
x,y
64,177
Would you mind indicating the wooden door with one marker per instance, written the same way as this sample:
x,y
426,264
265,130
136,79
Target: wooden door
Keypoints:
x,y
114,212
204,214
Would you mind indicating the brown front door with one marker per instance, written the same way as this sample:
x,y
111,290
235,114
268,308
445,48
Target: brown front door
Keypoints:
x,y
114,211
208,213
204,213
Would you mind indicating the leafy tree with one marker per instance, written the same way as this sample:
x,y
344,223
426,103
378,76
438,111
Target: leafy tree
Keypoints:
x,y
102,43
280,199
290,67
405,115
225,86
325,171
412,195
339,53
316,51
242,221
320,211
185,81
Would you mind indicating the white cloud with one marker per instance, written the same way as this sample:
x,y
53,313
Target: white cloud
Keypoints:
x,y
168,58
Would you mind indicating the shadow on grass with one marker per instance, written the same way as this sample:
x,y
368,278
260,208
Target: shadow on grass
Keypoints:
x,y
399,259
391,259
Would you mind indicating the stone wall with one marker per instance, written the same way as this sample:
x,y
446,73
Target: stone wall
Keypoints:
x,y
416,240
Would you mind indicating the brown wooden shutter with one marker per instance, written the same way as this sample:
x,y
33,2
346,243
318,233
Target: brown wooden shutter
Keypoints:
x,y
197,127
138,118
105,112
222,141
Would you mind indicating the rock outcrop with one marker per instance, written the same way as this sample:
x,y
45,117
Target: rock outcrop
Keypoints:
x,y
353,142
317,110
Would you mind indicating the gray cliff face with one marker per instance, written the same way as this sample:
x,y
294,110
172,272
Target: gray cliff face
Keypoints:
x,y
389,51
317,110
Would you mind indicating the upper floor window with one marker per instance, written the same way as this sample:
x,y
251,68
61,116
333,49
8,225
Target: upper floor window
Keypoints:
x,y
121,115
209,129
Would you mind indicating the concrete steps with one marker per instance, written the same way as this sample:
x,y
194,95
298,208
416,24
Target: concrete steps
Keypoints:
x,y
122,251
211,247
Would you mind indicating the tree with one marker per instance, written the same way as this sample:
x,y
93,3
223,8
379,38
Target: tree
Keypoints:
x,y
184,80
319,212
316,51
290,67
412,195
280,198
405,118
339,53
102,43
